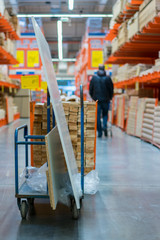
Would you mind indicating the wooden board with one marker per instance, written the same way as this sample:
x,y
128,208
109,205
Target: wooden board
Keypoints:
x,y
56,166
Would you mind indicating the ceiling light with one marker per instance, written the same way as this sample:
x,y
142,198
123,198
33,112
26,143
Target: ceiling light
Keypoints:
x,y
64,60
66,15
70,4
60,49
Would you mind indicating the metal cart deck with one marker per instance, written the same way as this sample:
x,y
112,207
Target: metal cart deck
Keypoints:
x,y
24,194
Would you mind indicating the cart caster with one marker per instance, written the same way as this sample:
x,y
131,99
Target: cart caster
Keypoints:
x,y
74,210
24,209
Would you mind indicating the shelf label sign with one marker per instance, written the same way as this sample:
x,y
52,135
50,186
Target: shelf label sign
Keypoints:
x,y
30,82
32,58
20,58
97,58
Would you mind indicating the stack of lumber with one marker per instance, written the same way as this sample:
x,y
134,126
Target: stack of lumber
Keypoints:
x,y
133,26
114,45
148,12
156,128
72,112
122,110
117,8
148,119
132,114
40,128
122,34
139,119
123,72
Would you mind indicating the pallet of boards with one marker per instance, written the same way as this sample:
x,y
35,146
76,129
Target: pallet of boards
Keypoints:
x,y
139,118
148,119
156,127
133,26
40,128
122,110
114,45
132,114
73,118
122,34
149,11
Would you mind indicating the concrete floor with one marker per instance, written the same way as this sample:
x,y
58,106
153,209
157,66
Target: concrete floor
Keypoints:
x,y
127,206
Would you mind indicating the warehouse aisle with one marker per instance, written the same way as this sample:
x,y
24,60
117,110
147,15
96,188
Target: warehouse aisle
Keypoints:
x,y
125,208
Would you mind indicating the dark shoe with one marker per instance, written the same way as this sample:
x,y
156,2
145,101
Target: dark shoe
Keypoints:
x,y
99,135
105,132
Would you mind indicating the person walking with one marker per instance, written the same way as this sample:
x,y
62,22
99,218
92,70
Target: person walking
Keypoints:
x,y
101,89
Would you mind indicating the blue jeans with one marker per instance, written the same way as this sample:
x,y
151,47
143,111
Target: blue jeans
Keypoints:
x,y
103,108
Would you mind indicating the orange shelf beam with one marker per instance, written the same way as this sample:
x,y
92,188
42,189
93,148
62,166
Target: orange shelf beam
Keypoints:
x,y
8,85
7,27
150,80
6,58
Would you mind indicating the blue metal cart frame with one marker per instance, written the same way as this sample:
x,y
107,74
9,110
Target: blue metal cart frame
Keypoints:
x,y
24,192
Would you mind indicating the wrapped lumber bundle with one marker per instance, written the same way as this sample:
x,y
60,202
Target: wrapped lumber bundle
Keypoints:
x,y
133,26
132,114
139,119
40,128
122,34
156,128
117,8
114,45
148,119
123,72
148,12
73,117
122,110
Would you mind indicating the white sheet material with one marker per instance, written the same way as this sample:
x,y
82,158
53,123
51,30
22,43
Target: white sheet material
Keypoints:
x,y
58,109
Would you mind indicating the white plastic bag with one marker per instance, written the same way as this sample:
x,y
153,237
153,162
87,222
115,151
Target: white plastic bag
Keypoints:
x,y
91,182
35,178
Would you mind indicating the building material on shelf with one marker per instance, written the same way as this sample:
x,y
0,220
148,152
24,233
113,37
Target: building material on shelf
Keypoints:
x,y
148,13
147,126
156,126
132,115
114,45
122,34
133,26
122,110
22,100
139,119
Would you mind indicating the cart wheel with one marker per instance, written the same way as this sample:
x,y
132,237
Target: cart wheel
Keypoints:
x,y
75,211
24,209
111,134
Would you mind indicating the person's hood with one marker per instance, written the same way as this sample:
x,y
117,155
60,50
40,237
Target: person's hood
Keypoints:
x,y
101,73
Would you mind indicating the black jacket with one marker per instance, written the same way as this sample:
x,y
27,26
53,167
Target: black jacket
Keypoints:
x,y
101,87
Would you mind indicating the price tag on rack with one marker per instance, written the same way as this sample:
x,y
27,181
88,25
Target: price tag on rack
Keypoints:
x,y
30,82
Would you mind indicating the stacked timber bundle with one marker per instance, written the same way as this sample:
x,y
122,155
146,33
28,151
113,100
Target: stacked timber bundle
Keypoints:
x,y
139,119
122,34
156,128
132,114
73,117
148,119
122,110
147,12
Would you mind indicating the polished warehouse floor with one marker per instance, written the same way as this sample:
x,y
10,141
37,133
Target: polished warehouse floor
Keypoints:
x,y
126,207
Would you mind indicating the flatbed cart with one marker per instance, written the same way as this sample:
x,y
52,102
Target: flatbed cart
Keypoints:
x,y
24,194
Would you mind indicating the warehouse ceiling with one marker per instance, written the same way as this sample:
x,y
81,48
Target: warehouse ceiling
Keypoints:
x,y
74,29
